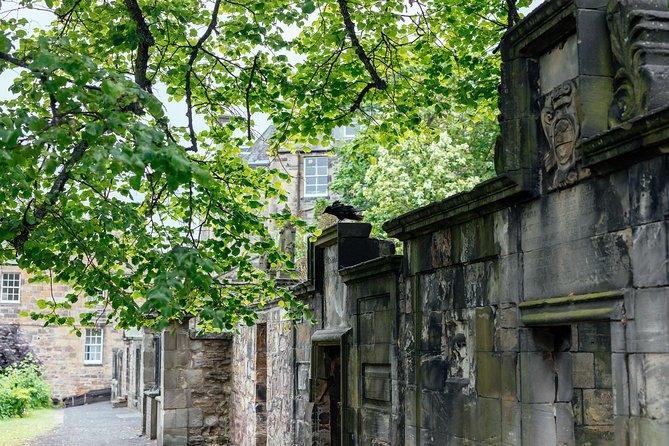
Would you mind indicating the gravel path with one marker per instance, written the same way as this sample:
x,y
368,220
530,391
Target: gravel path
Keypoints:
x,y
96,424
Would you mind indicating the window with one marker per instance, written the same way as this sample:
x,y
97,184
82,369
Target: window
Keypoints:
x,y
93,346
350,131
97,298
11,287
316,176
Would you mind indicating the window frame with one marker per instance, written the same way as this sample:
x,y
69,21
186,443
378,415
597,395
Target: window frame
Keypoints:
x,y
16,287
316,176
88,336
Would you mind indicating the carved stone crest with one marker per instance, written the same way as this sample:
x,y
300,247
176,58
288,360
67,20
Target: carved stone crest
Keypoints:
x,y
559,118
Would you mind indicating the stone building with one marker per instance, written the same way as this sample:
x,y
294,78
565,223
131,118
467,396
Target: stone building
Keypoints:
x,y
76,368
532,310
311,171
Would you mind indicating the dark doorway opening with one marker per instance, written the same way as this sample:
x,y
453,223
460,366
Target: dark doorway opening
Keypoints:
x,y
326,417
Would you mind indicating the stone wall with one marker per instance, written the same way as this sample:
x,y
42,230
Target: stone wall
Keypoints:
x,y
60,351
195,388
262,382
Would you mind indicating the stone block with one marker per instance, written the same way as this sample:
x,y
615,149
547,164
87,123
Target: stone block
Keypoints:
x,y
509,376
648,332
650,254
506,340
656,377
595,94
652,432
488,377
169,341
441,248
603,370
193,377
618,336
419,254
474,240
620,383
484,329
594,54
537,377
594,336
648,182
433,373
599,435
577,407
195,417
435,290
176,399
586,265
563,368
511,433
564,423
490,421
593,208
538,424
622,430
432,332
503,280
583,370
636,383
597,407
507,316
178,437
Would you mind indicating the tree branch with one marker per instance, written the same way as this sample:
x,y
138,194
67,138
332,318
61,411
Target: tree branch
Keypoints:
x,y
191,61
51,197
247,95
377,82
146,41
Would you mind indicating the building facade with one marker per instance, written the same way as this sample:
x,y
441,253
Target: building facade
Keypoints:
x,y
75,367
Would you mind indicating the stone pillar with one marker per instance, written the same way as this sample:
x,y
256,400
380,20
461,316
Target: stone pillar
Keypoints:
x,y
195,390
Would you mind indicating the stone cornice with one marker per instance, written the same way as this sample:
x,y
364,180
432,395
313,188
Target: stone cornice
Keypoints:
x,y
371,268
638,138
484,199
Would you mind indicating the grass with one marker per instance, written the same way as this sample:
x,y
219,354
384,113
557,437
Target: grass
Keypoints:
x,y
16,431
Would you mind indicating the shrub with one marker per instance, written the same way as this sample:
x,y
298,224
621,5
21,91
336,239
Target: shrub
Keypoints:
x,y
13,347
22,387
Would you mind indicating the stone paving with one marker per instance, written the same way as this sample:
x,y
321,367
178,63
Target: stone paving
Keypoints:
x,y
96,424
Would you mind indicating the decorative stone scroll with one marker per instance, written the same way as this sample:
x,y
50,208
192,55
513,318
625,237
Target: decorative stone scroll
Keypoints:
x,y
559,118
639,31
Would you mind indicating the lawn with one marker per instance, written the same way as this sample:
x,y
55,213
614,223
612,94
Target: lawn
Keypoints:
x,y
16,431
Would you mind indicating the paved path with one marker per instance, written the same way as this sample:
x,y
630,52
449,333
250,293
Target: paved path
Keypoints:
x,y
96,424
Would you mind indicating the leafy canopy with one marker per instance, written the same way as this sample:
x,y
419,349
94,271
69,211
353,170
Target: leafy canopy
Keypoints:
x,y
104,186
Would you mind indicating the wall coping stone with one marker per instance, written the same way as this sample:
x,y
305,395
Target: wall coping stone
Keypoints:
x,y
568,309
194,333
485,198
371,268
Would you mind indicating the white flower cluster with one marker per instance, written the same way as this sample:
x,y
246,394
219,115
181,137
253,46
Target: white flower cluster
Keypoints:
x,y
416,173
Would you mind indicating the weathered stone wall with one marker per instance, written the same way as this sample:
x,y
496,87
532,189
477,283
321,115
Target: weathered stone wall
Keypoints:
x,y
263,397
195,388
60,351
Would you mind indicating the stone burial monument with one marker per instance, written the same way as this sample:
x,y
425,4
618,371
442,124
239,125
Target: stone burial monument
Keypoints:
x,y
533,310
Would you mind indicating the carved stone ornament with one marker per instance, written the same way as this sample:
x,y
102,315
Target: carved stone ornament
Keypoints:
x,y
639,30
559,118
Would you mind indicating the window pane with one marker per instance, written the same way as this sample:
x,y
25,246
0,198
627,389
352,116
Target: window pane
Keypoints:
x,y
11,285
93,346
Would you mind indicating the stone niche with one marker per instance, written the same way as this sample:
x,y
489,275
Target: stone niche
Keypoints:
x,y
557,85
